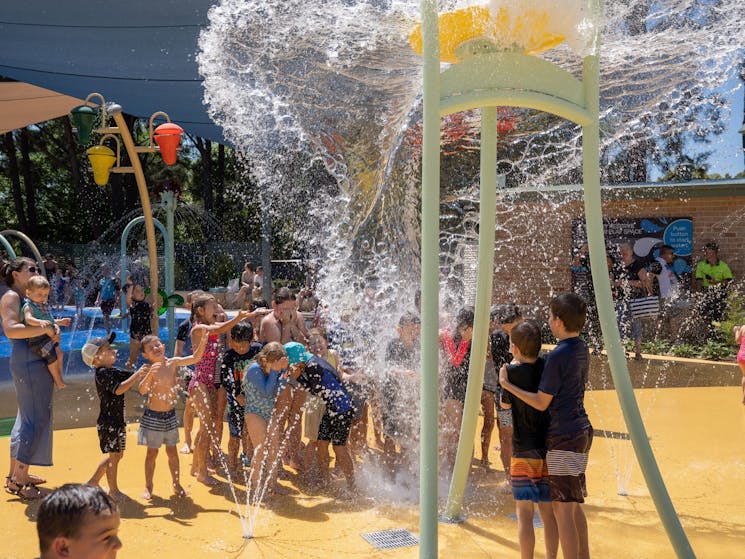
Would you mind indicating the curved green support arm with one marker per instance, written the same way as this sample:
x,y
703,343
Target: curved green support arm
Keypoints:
x,y
487,218
28,241
8,248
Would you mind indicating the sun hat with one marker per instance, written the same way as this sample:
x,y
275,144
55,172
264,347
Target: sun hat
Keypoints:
x,y
296,353
91,347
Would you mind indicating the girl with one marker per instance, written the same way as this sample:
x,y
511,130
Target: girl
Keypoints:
x,y
740,339
263,380
140,315
456,346
202,385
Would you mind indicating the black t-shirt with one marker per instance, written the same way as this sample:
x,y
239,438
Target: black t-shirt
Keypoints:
x,y
108,380
530,424
629,273
233,369
319,378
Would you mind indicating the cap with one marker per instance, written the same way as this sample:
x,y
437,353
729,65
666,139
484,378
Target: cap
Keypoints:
x,y
296,353
92,346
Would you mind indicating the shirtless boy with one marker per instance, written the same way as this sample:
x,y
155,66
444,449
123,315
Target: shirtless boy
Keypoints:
x,y
159,424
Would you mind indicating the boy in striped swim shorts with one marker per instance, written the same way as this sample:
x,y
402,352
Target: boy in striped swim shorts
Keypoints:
x,y
159,424
528,471
569,436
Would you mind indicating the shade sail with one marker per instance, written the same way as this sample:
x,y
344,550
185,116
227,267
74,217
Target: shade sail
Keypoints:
x,y
140,54
22,104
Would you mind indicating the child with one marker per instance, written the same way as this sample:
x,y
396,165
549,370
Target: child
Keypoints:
x,y
569,436
183,344
78,520
399,392
202,384
111,384
503,320
36,312
140,315
315,408
106,297
159,424
262,381
317,377
528,463
236,360
740,339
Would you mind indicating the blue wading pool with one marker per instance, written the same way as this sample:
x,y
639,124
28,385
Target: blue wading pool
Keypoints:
x,y
80,331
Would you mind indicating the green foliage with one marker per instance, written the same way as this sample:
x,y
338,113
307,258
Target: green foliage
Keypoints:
x,y
735,315
222,271
716,351
684,350
656,347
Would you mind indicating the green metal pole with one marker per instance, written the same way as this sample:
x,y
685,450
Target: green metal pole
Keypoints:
x,y
616,357
430,256
169,201
487,217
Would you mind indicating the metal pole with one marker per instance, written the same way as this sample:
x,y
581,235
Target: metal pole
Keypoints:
x,y
430,267
169,201
8,248
472,405
616,357
266,255
29,242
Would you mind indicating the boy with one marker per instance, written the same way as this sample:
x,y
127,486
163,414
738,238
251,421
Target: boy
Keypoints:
x,y
569,436
316,376
159,425
400,392
106,296
78,520
236,360
529,474
36,312
111,384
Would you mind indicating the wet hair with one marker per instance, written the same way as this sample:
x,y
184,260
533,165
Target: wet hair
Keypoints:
x,y
242,332
62,513
571,309
464,319
259,269
258,304
16,265
249,266
527,337
199,302
408,318
273,351
282,295
192,294
148,339
37,282
318,331
506,314
712,245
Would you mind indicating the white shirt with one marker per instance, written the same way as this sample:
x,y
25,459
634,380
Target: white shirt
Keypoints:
x,y
668,281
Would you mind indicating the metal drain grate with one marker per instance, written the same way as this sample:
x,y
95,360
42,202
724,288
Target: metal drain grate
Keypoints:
x,y
391,539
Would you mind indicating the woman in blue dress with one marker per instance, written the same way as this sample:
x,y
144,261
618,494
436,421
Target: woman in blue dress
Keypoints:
x,y
31,438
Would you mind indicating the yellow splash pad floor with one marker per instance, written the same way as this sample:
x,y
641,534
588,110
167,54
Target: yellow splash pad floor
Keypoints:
x,y
698,435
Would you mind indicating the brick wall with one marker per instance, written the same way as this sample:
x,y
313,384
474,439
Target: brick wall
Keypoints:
x,y
533,237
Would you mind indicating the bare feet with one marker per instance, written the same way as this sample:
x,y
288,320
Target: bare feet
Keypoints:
x,y
148,493
60,385
208,480
179,491
118,496
186,449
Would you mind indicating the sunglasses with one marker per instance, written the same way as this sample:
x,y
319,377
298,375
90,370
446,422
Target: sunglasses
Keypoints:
x,y
32,269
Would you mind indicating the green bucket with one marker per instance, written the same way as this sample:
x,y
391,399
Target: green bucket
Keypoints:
x,y
6,425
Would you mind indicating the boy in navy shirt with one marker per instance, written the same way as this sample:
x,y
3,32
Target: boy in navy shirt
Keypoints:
x,y
242,352
528,470
562,392
317,376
